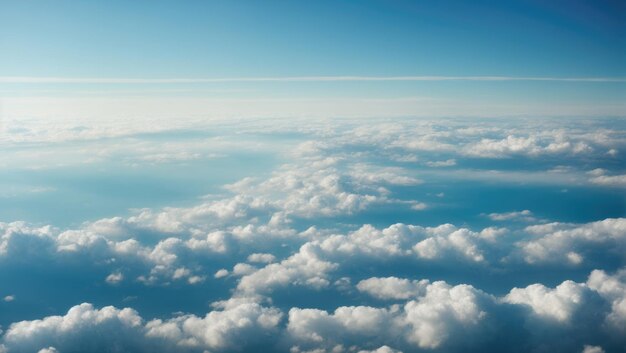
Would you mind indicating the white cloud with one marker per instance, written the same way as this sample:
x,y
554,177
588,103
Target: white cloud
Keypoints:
x,y
369,241
236,326
610,180
242,269
443,310
115,278
554,242
426,322
221,273
261,258
558,304
532,146
367,174
613,289
304,268
346,324
48,350
592,349
445,239
83,325
419,206
524,215
392,287
400,240
382,349
315,189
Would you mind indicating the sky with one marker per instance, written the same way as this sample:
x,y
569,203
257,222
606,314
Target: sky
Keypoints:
x,y
151,40
312,177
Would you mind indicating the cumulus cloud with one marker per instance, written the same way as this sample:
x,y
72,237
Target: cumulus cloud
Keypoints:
x,y
613,288
444,310
83,326
18,240
554,242
426,322
261,258
513,145
304,268
370,241
392,287
235,326
445,239
400,240
558,304
318,326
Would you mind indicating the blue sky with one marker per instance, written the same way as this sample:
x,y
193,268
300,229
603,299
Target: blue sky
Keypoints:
x,y
279,38
162,39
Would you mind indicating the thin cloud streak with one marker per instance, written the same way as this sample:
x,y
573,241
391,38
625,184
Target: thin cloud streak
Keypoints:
x,y
96,80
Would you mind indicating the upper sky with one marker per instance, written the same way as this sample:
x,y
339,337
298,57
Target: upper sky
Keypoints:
x,y
224,39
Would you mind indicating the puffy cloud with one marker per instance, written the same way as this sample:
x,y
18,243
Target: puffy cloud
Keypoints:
x,y
445,239
613,288
242,269
261,258
237,325
316,189
370,241
82,326
221,273
441,312
533,145
86,328
303,268
558,304
345,325
115,278
20,241
426,322
560,241
392,287
9,298
400,240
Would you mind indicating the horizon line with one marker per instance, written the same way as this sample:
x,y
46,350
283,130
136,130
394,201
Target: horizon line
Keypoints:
x,y
121,80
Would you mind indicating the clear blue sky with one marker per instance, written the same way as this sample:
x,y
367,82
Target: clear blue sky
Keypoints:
x,y
213,39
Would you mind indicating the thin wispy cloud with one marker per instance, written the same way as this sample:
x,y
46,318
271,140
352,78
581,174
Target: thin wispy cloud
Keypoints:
x,y
122,80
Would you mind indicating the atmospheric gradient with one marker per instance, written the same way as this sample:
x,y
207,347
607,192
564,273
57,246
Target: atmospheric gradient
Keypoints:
x,y
312,177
